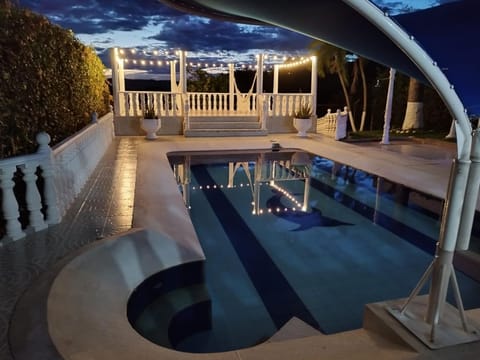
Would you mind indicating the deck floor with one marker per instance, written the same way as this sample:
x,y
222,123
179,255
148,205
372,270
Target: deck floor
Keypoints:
x,y
106,206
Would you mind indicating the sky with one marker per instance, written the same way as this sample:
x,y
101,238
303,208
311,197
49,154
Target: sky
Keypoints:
x,y
149,25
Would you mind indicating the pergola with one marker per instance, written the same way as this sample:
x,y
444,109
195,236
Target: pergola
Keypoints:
x,y
432,45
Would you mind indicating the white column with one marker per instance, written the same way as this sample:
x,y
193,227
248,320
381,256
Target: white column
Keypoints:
x,y
231,85
115,83
259,74
388,108
9,203
313,83
173,77
275,79
182,70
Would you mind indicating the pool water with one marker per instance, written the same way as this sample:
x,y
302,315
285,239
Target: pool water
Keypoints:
x,y
290,234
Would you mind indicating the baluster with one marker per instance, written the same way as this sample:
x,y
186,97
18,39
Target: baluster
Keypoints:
x,y
32,197
10,204
49,189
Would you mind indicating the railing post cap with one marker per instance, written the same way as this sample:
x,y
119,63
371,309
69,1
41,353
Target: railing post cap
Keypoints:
x,y
43,139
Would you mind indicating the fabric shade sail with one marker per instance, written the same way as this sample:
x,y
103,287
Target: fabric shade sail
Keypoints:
x,y
446,32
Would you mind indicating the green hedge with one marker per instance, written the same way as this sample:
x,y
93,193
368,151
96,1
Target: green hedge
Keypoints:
x,y
49,81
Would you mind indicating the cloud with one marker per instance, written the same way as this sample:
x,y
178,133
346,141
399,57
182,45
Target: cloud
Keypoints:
x,y
97,16
148,24
199,34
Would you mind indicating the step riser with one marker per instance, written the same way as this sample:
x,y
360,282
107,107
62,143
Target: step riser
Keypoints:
x,y
224,133
222,125
223,119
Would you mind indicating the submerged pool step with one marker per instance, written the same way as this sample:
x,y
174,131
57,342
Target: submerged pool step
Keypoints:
x,y
157,321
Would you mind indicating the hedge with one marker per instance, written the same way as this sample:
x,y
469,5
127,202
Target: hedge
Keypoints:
x,y
49,81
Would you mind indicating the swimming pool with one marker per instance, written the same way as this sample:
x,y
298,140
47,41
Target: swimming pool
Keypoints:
x,y
290,234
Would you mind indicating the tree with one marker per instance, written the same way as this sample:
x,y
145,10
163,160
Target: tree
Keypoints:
x,y
331,59
414,111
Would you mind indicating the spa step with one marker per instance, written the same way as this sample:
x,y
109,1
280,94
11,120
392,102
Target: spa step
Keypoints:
x,y
156,320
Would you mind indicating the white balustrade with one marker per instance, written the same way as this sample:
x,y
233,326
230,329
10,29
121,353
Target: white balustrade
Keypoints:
x,y
200,103
63,170
333,124
9,203
132,103
286,104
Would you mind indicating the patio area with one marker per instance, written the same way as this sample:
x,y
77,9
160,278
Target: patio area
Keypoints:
x,y
106,207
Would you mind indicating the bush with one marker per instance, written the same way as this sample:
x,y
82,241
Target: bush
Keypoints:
x,y
49,81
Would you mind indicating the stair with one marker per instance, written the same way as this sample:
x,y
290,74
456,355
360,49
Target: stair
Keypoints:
x,y
240,125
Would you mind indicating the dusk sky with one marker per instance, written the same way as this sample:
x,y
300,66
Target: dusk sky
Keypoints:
x,y
149,25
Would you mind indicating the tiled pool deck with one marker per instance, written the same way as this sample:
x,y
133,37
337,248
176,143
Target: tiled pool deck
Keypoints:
x,y
106,206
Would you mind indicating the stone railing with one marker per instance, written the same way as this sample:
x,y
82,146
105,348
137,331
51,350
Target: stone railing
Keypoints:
x,y
333,124
50,179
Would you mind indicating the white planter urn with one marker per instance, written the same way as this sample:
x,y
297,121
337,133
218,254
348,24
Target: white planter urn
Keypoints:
x,y
302,126
151,127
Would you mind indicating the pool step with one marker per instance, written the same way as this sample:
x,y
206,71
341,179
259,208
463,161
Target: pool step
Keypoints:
x,y
155,322
207,126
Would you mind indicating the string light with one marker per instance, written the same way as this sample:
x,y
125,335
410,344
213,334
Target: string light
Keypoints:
x,y
147,59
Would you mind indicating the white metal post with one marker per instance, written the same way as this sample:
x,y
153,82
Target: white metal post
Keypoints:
x,y
471,195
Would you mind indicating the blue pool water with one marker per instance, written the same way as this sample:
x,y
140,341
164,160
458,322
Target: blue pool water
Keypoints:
x,y
289,234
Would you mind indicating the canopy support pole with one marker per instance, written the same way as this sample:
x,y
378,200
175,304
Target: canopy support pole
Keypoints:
x,y
442,263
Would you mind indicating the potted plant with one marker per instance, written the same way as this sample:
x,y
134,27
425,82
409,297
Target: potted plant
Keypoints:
x,y
150,122
302,119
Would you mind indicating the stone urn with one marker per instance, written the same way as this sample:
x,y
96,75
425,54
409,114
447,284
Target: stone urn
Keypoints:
x,y
151,127
302,119
302,125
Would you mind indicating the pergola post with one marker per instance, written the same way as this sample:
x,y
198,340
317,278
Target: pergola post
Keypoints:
x,y
275,78
231,86
259,74
183,69
313,85
114,64
173,76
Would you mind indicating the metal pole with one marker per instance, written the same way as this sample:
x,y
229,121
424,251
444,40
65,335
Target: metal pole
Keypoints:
x,y
448,237
471,195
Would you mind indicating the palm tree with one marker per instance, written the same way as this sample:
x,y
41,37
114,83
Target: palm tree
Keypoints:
x,y
331,59
414,112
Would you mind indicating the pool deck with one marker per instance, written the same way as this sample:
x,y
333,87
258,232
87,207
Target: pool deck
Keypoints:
x,y
65,268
